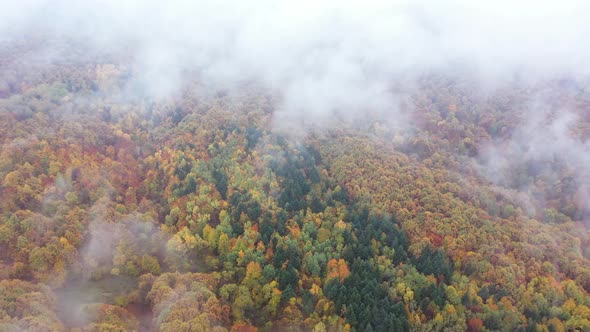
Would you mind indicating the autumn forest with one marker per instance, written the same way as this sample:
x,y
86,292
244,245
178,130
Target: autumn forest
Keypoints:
x,y
208,209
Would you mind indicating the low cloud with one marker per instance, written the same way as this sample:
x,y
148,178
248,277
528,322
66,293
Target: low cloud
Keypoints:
x,y
329,63
328,59
545,156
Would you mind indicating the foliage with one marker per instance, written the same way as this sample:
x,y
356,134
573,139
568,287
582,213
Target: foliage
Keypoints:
x,y
223,224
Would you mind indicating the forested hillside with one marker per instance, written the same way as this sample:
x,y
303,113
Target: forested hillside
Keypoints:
x,y
323,166
194,213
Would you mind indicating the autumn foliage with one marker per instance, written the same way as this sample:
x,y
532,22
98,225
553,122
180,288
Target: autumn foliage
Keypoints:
x,y
193,214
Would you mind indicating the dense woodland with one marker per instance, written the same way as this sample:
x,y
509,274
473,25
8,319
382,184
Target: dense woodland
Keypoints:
x,y
191,213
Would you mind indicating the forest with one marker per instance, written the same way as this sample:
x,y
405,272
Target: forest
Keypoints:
x,y
194,214
322,166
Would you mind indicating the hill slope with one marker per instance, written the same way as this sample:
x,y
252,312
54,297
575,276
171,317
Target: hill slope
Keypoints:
x,y
194,213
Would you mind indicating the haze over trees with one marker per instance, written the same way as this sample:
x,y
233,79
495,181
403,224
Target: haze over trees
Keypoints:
x,y
187,167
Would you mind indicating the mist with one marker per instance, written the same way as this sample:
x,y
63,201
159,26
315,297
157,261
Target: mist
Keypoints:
x,y
330,64
546,154
327,60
